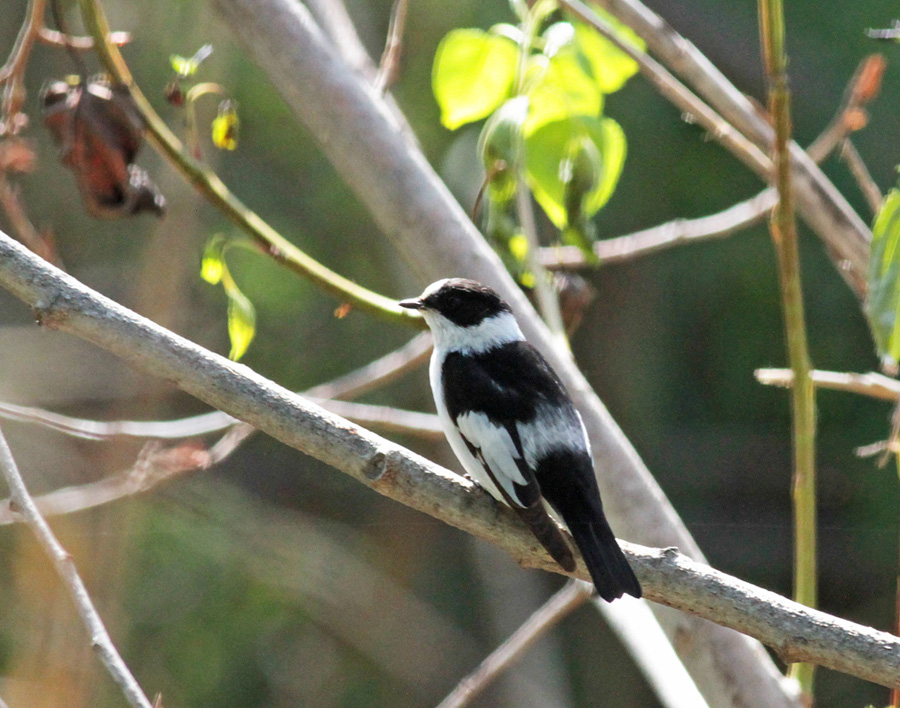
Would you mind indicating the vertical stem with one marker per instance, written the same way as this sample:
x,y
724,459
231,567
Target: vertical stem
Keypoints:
x,y
784,235
548,302
895,693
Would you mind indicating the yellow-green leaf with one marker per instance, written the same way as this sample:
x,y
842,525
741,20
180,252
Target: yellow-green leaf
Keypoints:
x,y
554,151
225,126
188,67
609,66
213,264
883,280
558,88
473,74
241,320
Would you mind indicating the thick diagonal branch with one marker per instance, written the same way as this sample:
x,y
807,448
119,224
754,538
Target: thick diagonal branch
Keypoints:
x,y
797,633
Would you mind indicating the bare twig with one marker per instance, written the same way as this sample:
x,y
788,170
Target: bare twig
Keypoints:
x,y
389,67
150,471
796,633
870,384
860,172
380,372
65,567
673,233
84,44
568,598
12,73
21,224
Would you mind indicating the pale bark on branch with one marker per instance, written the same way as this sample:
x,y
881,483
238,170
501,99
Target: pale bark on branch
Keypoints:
x,y
795,632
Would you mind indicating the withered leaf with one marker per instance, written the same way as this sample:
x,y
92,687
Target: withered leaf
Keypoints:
x,y
100,130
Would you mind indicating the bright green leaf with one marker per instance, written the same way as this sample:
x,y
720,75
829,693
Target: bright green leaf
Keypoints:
x,y
608,65
559,88
241,320
213,264
883,280
550,150
473,74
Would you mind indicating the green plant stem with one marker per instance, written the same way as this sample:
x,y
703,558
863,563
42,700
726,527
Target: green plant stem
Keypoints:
x,y
210,186
548,302
784,234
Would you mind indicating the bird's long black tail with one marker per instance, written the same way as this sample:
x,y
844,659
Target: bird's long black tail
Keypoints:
x,y
609,569
567,482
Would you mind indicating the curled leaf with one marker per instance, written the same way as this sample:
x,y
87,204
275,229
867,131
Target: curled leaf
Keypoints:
x,y
241,319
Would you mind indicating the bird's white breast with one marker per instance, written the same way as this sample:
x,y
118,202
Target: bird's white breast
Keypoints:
x,y
471,465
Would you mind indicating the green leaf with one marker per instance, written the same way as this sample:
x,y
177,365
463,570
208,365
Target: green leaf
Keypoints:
x,y
883,280
213,264
500,144
558,88
609,66
241,320
595,144
473,74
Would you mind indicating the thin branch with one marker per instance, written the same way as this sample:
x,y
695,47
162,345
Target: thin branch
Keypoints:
x,y
783,227
378,373
821,205
154,466
861,174
214,190
870,384
861,89
12,73
21,224
571,596
796,633
673,233
68,573
389,66
83,44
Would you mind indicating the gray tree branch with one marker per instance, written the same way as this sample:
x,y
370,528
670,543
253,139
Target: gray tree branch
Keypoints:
x,y
795,632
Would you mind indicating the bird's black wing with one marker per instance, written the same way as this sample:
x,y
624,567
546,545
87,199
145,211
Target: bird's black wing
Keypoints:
x,y
487,397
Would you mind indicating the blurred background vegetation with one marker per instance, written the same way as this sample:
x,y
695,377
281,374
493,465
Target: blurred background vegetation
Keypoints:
x,y
271,580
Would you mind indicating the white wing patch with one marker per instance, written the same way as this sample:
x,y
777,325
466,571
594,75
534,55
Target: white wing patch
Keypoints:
x,y
496,448
549,431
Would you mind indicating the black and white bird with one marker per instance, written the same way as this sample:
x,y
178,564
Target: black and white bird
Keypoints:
x,y
514,428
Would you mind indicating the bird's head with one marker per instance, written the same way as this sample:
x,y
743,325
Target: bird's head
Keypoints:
x,y
465,315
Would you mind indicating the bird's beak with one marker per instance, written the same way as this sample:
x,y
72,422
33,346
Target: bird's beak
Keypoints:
x,y
414,303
